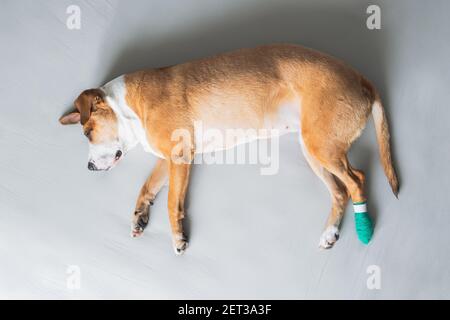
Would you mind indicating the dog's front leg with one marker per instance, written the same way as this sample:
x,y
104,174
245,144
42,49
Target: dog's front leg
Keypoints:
x,y
178,183
148,193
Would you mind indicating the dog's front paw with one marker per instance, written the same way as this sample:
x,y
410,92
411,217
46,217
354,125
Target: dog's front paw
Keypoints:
x,y
180,244
139,222
329,237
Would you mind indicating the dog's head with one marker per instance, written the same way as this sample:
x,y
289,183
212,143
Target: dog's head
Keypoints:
x,y
100,126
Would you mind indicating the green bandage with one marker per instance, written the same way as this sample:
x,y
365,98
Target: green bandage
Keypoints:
x,y
363,223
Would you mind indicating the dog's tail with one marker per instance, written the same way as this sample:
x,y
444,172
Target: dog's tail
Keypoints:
x,y
383,137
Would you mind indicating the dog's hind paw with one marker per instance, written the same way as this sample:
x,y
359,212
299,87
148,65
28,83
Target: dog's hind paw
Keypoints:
x,y
329,237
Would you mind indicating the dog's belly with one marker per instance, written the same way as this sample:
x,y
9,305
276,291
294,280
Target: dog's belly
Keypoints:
x,y
227,131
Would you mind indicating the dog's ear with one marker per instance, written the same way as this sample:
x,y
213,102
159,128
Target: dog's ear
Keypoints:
x,y
70,118
86,103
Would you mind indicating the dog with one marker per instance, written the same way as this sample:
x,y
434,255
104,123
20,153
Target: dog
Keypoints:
x,y
284,87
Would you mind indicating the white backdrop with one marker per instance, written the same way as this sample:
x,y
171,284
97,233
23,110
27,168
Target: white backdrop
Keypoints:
x,y
251,236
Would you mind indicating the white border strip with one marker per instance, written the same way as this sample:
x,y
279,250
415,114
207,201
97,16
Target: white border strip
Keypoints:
x,y
360,208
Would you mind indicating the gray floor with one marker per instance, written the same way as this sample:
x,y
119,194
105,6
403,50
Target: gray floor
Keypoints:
x,y
252,236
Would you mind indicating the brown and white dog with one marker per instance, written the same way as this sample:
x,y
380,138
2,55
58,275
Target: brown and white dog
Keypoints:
x,y
284,87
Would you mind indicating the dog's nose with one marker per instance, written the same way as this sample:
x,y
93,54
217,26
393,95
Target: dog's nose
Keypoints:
x,y
118,154
91,166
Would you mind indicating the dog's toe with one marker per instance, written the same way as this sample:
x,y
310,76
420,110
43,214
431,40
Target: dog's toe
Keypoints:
x,y
136,231
180,245
329,237
139,223
180,251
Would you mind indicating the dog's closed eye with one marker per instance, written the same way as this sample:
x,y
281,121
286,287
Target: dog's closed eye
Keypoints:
x,y
87,133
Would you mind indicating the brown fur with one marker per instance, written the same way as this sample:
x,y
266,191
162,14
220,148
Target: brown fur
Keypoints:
x,y
242,89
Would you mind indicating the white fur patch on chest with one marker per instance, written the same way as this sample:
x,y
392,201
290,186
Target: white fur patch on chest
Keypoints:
x,y
131,130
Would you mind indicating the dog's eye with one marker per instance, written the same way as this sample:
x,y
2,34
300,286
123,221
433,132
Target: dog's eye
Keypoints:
x,y
87,133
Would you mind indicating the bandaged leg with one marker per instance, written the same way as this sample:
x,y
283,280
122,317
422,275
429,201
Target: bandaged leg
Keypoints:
x,y
363,223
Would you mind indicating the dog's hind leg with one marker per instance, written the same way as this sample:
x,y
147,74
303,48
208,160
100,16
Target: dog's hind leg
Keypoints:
x,y
331,154
332,118
339,197
354,180
157,179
